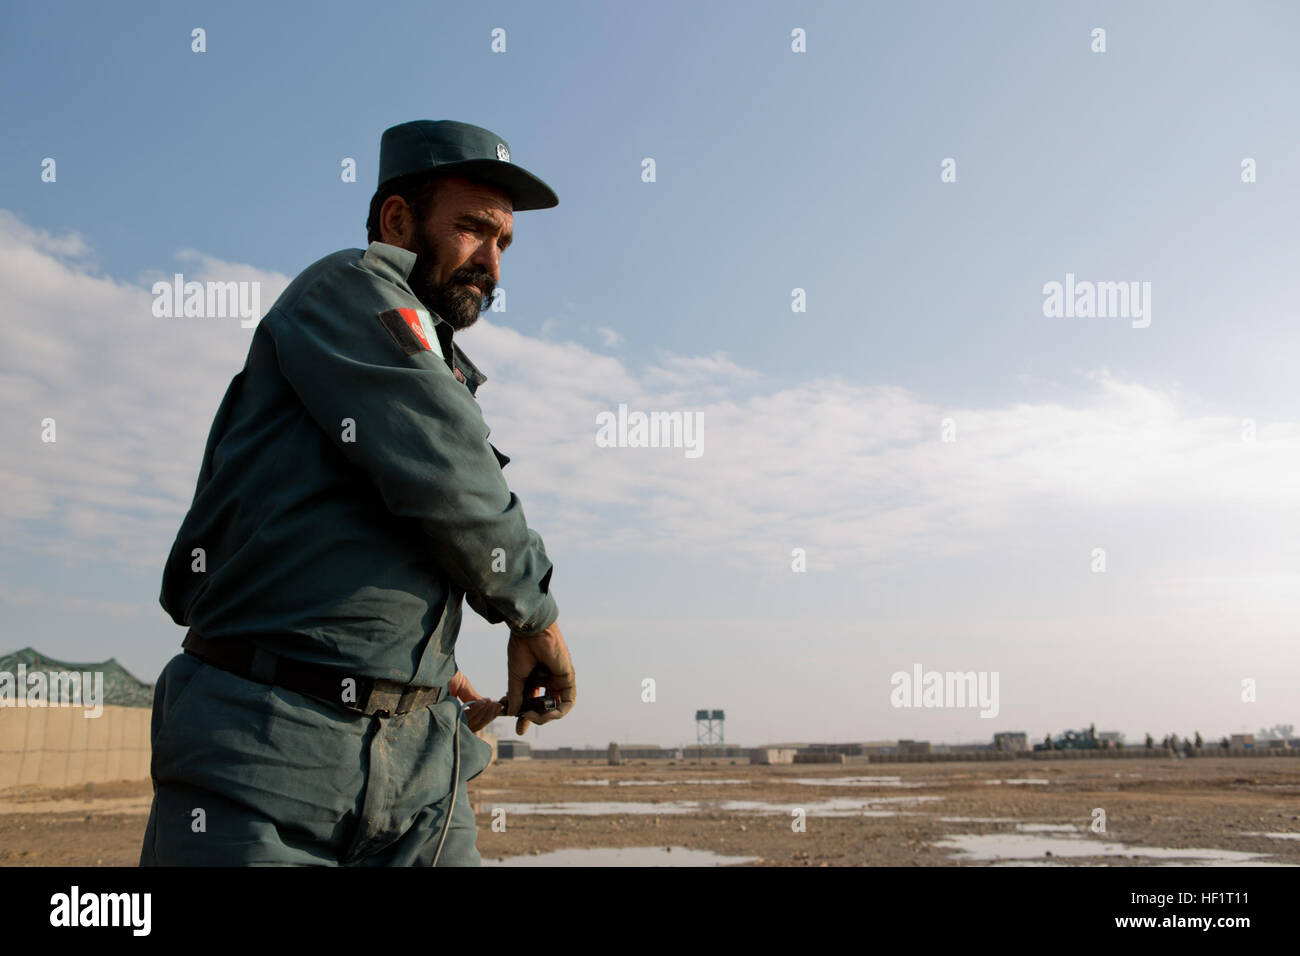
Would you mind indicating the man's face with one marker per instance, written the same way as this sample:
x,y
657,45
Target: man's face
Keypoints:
x,y
458,248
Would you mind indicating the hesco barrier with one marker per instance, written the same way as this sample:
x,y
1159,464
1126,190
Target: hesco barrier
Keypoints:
x,y
1126,753
818,758
59,746
968,757
1204,752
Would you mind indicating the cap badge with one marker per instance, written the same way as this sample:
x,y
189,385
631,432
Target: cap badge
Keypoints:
x,y
503,154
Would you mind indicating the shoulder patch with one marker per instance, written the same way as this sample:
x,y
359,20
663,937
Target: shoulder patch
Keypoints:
x,y
411,329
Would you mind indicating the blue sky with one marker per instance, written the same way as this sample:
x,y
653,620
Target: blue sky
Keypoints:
x,y
775,170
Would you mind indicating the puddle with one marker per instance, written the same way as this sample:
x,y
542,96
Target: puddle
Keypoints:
x,y
1026,863
1242,863
835,807
1020,825
625,856
859,782
655,783
1276,836
978,820
1025,781
1047,828
597,808
1026,846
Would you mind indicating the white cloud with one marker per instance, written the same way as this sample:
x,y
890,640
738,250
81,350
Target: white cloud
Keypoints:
x,y
855,473
68,246
608,337
131,395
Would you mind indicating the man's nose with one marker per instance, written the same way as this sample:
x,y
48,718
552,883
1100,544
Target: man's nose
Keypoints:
x,y
487,258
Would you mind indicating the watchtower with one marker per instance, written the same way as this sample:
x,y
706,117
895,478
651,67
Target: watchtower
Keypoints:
x,y
708,727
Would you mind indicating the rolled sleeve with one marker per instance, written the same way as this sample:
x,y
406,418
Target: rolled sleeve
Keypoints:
x,y
420,437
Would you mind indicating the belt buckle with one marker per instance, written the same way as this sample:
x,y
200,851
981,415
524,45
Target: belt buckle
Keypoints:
x,y
384,697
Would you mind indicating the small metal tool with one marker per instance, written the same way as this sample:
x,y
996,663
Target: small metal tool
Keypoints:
x,y
533,705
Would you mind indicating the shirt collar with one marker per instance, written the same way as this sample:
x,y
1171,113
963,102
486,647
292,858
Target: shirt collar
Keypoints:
x,y
396,262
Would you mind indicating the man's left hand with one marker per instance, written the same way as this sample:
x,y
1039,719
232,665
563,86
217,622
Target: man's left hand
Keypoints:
x,y
481,710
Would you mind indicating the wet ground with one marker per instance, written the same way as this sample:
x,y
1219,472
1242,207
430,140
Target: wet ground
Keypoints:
x,y
1198,812
1201,812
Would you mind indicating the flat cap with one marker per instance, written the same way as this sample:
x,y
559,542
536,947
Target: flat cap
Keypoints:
x,y
475,153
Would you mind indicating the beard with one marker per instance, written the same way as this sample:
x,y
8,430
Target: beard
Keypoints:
x,y
455,302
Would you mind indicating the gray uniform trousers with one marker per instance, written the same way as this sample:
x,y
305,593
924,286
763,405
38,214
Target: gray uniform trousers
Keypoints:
x,y
246,773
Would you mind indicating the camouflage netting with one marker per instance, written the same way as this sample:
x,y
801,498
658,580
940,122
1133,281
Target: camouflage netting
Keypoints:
x,y
121,688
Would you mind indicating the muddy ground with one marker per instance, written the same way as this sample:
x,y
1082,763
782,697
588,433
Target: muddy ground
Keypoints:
x,y
1201,805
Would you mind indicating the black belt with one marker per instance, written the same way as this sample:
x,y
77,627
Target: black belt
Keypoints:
x,y
373,695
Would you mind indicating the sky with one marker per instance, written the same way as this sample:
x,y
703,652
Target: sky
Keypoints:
x,y
908,463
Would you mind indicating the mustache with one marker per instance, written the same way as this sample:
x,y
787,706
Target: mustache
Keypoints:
x,y
484,282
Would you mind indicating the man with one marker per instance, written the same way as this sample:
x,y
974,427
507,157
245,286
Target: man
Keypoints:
x,y
347,502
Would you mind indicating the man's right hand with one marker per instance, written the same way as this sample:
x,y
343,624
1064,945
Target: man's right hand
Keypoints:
x,y
523,653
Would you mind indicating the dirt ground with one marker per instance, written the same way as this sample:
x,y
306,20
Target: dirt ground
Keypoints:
x,y
1199,804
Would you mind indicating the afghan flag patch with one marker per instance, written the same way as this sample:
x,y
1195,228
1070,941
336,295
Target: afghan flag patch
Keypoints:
x,y
411,329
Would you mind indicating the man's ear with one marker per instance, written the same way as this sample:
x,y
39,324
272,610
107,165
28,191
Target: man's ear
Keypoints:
x,y
396,224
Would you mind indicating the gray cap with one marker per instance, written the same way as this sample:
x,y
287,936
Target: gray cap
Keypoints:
x,y
472,152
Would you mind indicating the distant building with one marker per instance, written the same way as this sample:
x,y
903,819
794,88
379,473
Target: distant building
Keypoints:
x,y
879,746
1012,741
1110,740
849,750
772,755
1242,742
915,747
961,748
513,750
570,753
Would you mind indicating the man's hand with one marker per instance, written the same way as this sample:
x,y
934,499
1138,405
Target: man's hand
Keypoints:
x,y
481,710
461,688
523,653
